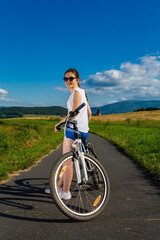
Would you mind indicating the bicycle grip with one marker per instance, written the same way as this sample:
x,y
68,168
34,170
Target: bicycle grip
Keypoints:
x,y
58,127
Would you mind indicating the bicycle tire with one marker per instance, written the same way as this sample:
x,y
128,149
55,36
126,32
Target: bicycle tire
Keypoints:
x,y
87,201
88,148
91,151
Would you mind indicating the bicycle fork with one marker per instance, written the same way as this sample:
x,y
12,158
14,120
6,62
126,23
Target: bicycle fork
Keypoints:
x,y
77,146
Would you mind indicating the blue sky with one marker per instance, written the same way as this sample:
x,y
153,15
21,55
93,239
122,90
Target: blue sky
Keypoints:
x,y
114,45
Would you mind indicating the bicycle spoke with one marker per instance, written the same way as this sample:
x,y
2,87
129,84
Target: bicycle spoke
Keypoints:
x,y
89,203
87,199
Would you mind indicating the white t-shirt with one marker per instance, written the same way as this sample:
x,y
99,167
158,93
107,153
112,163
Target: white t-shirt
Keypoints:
x,y
82,117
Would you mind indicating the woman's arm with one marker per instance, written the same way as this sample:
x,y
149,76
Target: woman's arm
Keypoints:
x,y
76,103
76,100
55,129
89,112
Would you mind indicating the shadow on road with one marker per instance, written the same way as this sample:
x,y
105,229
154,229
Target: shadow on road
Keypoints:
x,y
25,200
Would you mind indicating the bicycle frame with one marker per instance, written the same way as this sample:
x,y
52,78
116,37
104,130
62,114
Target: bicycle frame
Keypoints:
x,y
77,147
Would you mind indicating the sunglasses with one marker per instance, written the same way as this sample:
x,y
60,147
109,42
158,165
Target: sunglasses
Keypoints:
x,y
69,78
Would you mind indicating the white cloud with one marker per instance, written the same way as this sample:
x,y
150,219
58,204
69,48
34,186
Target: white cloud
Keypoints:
x,y
106,79
61,89
3,92
131,81
95,91
4,97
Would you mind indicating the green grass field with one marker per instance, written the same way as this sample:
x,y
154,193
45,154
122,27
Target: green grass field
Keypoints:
x,y
23,141
139,139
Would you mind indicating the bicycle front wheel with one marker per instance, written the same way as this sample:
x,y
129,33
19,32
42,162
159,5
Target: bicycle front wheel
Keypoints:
x,y
87,201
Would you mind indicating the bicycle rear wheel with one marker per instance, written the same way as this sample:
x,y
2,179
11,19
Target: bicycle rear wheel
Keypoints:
x,y
87,200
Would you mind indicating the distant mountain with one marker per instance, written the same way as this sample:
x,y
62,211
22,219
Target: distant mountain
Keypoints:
x,y
55,110
119,107
125,106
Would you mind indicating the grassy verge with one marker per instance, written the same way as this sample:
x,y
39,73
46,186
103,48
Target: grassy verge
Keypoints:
x,y
140,139
24,141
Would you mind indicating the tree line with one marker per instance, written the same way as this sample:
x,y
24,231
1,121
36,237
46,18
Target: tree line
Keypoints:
x,y
147,109
14,112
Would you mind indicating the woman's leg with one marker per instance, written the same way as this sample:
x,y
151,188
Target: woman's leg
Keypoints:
x,y
67,145
65,180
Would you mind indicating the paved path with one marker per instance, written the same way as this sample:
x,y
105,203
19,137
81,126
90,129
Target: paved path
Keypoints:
x,y
133,211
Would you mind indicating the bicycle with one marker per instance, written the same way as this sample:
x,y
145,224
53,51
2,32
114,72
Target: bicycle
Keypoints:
x,y
90,186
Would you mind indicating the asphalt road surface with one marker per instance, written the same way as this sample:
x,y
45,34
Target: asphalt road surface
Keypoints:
x,y
133,210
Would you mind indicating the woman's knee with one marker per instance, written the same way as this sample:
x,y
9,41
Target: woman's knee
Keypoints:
x,y
67,145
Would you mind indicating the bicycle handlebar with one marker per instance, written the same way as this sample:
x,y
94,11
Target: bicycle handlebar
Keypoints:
x,y
76,111
71,114
60,126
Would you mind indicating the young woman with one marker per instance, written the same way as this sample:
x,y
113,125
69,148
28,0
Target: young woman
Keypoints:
x,y
77,97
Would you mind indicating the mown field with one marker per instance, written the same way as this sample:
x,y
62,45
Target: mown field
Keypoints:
x,y
141,115
24,141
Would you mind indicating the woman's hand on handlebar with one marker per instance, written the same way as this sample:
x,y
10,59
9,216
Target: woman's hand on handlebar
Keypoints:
x,y
55,128
71,115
